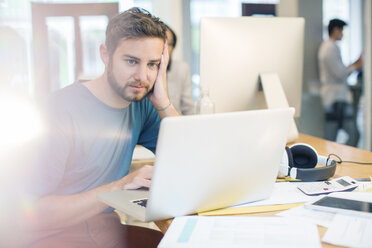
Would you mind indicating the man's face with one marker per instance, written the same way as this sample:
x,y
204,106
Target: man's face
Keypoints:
x,y
338,33
133,68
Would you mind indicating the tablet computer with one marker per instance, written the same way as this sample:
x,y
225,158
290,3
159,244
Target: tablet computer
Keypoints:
x,y
342,205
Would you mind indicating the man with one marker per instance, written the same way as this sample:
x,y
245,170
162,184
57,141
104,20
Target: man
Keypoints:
x,y
178,78
92,130
335,93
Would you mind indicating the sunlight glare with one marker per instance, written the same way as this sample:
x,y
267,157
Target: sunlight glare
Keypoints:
x,y
20,122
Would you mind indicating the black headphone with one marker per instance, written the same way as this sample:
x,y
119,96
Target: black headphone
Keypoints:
x,y
299,161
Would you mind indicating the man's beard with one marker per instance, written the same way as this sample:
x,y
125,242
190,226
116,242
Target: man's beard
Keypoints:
x,y
122,91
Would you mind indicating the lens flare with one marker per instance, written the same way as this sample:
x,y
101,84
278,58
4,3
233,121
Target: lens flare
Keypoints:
x,y
20,122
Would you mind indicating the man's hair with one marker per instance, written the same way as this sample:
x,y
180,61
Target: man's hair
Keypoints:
x,y
335,23
133,23
173,34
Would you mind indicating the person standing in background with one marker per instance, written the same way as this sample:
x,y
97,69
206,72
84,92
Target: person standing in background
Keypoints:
x,y
336,95
179,80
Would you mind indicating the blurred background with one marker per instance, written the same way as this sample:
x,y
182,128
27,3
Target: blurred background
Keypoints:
x,y
47,45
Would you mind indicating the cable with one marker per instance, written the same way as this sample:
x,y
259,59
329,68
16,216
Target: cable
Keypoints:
x,y
340,161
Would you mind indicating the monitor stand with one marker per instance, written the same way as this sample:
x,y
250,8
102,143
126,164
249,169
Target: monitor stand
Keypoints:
x,y
276,98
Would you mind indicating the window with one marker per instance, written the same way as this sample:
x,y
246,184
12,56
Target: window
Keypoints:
x,y
16,14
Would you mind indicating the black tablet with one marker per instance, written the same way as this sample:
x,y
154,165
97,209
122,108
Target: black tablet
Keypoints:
x,y
342,205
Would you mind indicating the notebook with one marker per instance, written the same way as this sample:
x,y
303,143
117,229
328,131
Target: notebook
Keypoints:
x,y
206,162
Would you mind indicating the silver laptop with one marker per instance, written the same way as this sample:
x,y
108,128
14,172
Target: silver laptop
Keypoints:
x,y
206,162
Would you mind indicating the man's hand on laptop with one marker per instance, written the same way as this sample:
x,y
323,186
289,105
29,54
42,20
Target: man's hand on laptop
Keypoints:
x,y
138,178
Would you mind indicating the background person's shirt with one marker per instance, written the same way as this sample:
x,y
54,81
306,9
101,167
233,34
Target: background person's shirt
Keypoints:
x,y
87,143
333,74
180,88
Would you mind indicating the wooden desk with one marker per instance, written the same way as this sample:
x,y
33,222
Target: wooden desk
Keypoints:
x,y
323,148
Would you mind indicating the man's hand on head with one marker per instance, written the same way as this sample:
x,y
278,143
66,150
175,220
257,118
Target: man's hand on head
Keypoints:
x,y
139,178
159,96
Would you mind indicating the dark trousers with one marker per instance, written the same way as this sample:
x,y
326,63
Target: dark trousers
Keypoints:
x,y
341,115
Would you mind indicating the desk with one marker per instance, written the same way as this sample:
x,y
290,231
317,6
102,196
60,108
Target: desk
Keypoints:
x,y
323,147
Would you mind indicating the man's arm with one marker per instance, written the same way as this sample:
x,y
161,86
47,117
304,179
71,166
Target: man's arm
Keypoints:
x,y
336,66
358,64
159,98
58,211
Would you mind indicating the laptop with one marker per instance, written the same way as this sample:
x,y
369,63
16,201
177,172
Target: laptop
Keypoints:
x,y
207,162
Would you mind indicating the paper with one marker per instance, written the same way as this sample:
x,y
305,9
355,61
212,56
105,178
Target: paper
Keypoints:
x,y
239,232
287,179
283,193
250,210
350,231
364,186
323,218
142,153
309,215
358,196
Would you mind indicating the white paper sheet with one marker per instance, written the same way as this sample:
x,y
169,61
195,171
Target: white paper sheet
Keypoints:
x,y
239,232
283,193
309,215
355,195
365,186
142,153
350,231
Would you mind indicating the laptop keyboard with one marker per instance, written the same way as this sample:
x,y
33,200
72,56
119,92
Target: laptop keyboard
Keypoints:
x,y
141,202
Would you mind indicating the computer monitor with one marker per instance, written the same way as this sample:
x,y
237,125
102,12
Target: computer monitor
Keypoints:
x,y
235,51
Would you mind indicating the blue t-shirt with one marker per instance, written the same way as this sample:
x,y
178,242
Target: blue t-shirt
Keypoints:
x,y
87,143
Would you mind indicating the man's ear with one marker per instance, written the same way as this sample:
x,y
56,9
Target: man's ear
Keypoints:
x,y
104,54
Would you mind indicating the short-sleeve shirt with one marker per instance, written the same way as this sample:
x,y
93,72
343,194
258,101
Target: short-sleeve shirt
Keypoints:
x,y
88,143
333,74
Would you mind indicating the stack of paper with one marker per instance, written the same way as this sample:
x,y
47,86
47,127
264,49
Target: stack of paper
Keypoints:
x,y
351,231
343,229
309,215
285,195
238,232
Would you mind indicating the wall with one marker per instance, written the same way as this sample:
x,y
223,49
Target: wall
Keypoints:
x,y
312,12
368,72
287,8
171,13
312,119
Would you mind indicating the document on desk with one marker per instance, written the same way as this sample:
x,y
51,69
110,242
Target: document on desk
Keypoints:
x,y
239,232
365,186
284,196
350,231
301,213
319,217
283,193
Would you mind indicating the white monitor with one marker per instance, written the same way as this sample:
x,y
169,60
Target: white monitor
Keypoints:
x,y
234,51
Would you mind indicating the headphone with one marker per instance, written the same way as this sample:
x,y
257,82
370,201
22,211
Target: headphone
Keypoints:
x,y
299,161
